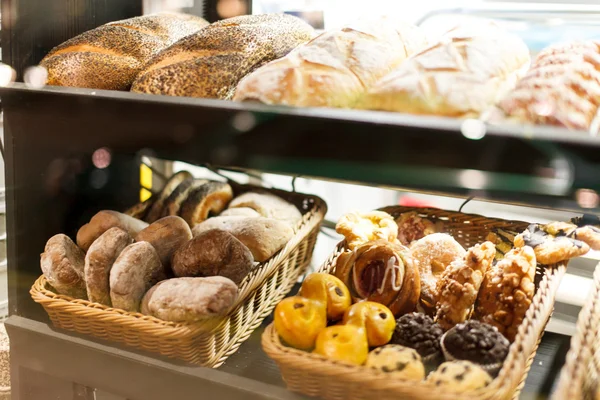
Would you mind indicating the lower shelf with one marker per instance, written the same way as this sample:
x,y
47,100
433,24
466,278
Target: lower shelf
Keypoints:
x,y
52,362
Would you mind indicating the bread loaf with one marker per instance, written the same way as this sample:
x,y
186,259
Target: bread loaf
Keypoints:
x,y
99,260
112,55
211,62
175,200
62,264
201,201
136,270
166,235
103,221
270,206
189,299
562,88
263,236
156,211
211,253
240,212
334,69
462,75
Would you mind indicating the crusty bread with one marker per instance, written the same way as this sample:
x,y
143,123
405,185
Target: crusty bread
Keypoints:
x,y
156,211
189,299
268,205
562,88
462,75
111,56
211,62
103,221
62,264
136,270
334,69
166,235
175,200
202,200
99,260
211,253
240,212
263,236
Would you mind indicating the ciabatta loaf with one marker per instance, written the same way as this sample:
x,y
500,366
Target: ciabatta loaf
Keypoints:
x,y
111,56
562,88
334,69
462,75
211,62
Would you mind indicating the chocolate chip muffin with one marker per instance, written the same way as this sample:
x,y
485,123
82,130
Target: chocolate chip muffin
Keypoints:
x,y
398,361
419,332
459,376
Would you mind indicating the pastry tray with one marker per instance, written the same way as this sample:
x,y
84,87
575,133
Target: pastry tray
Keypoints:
x,y
212,340
315,375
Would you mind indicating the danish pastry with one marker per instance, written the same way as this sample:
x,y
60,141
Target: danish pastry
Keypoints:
x,y
507,291
412,227
433,254
551,248
359,228
503,240
460,283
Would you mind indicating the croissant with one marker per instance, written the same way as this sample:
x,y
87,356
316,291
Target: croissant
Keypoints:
x,y
382,272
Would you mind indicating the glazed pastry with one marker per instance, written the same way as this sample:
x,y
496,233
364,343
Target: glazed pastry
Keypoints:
x,y
155,211
412,227
433,254
398,361
212,197
360,228
419,332
329,290
376,318
588,234
477,342
503,240
269,206
299,320
550,249
507,291
381,271
460,283
343,343
459,377
62,264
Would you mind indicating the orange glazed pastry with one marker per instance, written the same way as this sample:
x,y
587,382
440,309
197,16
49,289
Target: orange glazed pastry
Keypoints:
x,y
344,343
328,289
376,318
298,321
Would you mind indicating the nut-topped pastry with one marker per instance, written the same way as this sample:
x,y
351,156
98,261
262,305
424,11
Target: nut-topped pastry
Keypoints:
x,y
507,291
419,332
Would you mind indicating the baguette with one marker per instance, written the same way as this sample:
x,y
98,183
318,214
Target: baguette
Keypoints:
x,y
562,88
112,55
334,69
462,75
211,62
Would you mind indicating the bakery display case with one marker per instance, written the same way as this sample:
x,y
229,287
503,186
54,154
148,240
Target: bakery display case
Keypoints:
x,y
84,133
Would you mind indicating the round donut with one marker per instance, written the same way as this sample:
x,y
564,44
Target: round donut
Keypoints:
x,y
433,254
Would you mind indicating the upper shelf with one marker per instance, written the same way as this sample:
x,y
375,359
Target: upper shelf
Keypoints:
x,y
518,164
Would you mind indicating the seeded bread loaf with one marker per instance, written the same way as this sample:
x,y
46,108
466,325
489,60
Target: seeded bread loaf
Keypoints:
x,y
111,56
211,62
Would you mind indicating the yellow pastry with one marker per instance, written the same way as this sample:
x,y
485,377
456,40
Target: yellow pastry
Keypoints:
x,y
299,320
459,377
377,319
398,361
359,228
343,343
329,290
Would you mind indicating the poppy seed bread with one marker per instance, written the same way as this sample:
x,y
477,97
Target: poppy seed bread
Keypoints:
x,y
212,61
111,56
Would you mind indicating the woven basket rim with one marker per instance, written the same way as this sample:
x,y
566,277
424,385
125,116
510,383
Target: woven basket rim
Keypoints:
x,y
41,293
507,381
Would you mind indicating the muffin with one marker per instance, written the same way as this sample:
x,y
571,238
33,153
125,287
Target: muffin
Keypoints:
x,y
459,377
477,342
398,361
419,332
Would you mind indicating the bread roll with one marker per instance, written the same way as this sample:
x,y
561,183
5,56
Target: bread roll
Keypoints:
x,y
562,88
177,179
334,69
136,270
210,197
240,212
211,62
263,236
269,206
99,260
166,235
112,55
462,75
189,299
175,200
211,253
62,264
103,221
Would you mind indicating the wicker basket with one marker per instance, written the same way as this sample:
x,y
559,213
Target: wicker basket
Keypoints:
x,y
210,341
580,376
315,375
